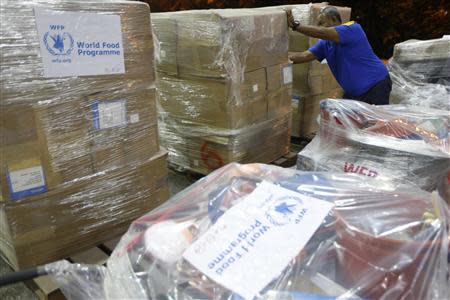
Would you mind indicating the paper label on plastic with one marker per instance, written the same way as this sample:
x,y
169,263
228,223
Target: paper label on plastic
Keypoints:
x,y
255,88
255,240
79,43
109,114
287,74
26,182
134,118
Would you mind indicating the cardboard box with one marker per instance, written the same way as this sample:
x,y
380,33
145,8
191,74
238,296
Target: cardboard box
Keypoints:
x,y
227,42
262,143
122,127
165,35
39,150
279,102
47,144
296,116
300,84
213,103
22,79
311,109
302,13
279,76
202,112
205,152
82,214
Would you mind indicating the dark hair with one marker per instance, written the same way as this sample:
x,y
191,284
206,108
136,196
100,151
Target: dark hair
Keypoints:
x,y
332,12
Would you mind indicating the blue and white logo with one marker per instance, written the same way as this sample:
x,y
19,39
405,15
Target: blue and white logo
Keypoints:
x,y
283,210
59,43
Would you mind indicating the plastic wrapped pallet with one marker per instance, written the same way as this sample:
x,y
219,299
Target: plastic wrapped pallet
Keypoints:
x,y
263,232
78,125
222,74
393,143
420,71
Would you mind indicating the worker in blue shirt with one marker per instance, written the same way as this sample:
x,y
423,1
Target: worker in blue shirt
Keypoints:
x,y
357,69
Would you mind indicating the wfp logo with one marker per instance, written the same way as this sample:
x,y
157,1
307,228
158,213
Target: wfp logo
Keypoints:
x,y
283,210
58,43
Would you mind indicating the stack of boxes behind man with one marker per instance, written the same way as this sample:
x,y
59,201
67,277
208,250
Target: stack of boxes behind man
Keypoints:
x,y
312,81
80,155
224,86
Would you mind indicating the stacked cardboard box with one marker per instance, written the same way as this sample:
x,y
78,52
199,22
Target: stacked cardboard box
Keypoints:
x,y
224,86
420,73
313,81
320,82
80,155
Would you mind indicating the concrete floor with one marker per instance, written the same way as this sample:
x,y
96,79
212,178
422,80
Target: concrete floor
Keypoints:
x,y
179,181
17,291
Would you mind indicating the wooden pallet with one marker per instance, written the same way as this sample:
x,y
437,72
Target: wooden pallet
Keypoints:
x,y
46,289
286,161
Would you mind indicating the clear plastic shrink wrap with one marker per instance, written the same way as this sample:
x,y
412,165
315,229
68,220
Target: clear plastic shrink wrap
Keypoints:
x,y
420,72
79,145
223,80
393,143
271,233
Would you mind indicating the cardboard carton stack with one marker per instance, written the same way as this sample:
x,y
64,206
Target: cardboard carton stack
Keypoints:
x,y
313,81
224,86
420,73
318,82
80,156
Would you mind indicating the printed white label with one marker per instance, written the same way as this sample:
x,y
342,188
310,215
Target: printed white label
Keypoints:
x,y
134,118
287,74
163,54
79,43
26,179
112,114
255,88
257,238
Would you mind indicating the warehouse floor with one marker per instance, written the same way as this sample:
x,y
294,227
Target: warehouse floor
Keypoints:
x,y
16,291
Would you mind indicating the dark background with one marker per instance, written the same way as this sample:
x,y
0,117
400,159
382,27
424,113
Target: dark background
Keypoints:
x,y
386,22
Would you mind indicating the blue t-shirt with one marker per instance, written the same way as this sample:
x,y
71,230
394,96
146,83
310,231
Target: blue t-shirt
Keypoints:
x,y
352,61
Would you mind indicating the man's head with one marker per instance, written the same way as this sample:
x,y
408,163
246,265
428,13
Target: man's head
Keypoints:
x,y
329,16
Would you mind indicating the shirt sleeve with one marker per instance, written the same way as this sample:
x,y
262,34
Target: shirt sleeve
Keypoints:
x,y
318,50
346,33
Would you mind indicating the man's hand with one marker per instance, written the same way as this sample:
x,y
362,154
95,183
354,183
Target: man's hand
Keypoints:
x,y
301,57
290,18
292,55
